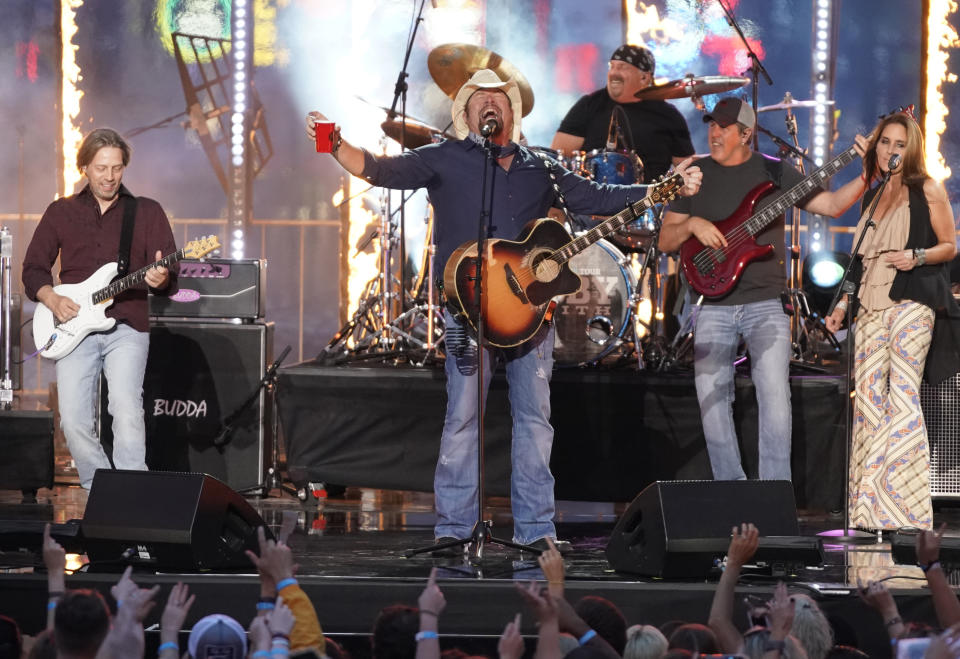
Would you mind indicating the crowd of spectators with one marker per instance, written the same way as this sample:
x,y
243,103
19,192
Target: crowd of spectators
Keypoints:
x,y
787,626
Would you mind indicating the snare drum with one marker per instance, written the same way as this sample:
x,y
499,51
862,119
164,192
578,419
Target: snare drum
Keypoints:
x,y
592,322
622,167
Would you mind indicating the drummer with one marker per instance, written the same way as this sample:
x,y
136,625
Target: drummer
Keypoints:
x,y
654,129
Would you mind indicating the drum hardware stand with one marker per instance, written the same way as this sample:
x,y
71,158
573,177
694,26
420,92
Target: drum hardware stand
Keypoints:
x,y
803,323
6,328
481,532
756,69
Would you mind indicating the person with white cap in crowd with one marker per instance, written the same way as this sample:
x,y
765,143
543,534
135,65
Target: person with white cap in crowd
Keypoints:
x,y
752,309
519,189
653,128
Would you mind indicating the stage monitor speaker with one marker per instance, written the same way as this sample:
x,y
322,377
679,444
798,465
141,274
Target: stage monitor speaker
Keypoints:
x,y
675,528
26,444
167,521
941,414
198,374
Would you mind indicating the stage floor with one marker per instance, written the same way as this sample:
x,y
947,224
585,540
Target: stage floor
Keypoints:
x,y
350,549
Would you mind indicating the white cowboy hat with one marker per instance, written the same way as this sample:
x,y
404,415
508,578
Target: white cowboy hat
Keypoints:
x,y
485,79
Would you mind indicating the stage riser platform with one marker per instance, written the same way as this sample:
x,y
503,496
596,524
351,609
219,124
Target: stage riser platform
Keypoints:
x,y
615,431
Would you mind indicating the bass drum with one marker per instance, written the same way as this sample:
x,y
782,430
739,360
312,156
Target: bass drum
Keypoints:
x,y
591,323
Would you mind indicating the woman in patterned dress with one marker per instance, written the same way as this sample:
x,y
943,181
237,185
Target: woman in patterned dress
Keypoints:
x,y
903,282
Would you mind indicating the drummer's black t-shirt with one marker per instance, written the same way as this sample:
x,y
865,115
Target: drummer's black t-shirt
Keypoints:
x,y
658,129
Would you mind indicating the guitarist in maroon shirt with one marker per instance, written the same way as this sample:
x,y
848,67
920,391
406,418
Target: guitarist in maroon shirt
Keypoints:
x,y
752,309
83,231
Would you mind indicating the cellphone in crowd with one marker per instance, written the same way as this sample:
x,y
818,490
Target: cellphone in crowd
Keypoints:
x,y
912,648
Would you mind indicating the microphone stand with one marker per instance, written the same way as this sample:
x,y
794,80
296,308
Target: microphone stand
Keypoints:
x,y
225,436
400,94
846,535
755,70
480,534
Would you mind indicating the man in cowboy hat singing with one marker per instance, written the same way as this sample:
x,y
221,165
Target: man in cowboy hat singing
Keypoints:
x,y
519,189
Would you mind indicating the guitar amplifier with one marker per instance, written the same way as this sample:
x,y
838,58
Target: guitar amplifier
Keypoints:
x,y
216,288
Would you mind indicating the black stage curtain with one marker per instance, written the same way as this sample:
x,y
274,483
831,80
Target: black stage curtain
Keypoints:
x,y
615,431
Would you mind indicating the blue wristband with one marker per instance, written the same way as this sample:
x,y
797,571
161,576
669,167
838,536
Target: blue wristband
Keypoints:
x,y
284,651
425,635
259,653
587,635
286,582
266,606
51,605
169,645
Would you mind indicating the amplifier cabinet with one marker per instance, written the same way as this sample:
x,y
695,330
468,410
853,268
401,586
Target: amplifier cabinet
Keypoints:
x,y
198,374
941,414
216,288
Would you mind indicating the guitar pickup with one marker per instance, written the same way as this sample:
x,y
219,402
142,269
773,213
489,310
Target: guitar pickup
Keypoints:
x,y
514,284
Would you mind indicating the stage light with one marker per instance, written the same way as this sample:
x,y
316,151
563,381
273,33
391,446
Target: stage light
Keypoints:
x,y
821,274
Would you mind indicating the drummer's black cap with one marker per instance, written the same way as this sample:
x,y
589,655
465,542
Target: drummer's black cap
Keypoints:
x,y
638,56
731,110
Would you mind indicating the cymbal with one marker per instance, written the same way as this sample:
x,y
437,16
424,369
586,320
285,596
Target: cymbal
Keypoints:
x,y
452,64
417,133
691,86
789,105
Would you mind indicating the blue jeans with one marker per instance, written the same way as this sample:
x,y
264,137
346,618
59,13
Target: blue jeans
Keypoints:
x,y
529,368
121,354
766,330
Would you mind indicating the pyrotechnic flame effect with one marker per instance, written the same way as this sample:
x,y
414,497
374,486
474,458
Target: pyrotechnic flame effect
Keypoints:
x,y
941,37
363,265
70,95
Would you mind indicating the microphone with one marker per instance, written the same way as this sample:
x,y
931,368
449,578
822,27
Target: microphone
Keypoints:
x,y
892,164
489,127
612,132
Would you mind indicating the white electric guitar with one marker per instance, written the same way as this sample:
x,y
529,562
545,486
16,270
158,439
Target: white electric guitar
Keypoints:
x,y
94,294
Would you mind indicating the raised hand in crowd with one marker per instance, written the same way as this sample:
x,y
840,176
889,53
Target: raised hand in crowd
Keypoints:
x,y
171,621
280,622
945,645
545,609
928,558
55,560
125,638
780,613
571,623
551,562
511,644
277,568
744,541
878,597
431,604
274,563
259,635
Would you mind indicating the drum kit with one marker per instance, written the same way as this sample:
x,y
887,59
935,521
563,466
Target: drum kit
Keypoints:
x,y
619,311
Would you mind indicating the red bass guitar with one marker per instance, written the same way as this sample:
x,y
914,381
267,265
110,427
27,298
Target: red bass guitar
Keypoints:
x,y
714,272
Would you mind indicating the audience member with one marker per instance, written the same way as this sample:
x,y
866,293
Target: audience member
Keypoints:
x,y
697,638
645,642
431,604
810,627
394,631
80,623
11,642
605,618
511,645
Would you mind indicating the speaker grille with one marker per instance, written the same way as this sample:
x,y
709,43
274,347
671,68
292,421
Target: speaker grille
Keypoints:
x,y
941,413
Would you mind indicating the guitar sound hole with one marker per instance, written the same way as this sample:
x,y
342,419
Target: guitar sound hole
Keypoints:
x,y
545,269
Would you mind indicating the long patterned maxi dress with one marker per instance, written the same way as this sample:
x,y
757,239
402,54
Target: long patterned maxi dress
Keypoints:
x,y
889,461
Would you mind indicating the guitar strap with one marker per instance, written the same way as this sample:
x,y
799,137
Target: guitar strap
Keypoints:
x,y
551,166
126,235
